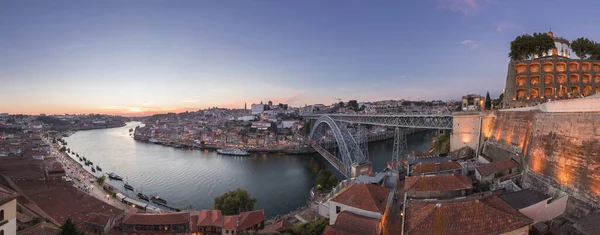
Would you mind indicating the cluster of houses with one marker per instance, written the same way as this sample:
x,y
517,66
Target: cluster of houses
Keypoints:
x,y
441,195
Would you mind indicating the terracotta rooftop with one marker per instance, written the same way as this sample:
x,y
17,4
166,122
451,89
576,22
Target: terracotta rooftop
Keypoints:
x,y
6,195
194,220
368,197
437,183
488,215
152,219
350,223
430,167
278,226
495,167
230,222
250,218
99,219
210,218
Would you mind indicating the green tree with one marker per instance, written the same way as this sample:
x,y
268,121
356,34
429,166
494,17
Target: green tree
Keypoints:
x,y
69,228
353,104
325,179
442,143
586,49
234,202
488,101
101,179
525,46
498,101
310,228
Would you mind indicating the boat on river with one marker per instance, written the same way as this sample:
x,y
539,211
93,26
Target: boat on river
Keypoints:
x,y
143,196
93,170
233,152
128,187
156,199
114,176
98,168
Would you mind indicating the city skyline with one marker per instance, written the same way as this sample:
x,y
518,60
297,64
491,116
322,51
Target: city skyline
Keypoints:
x,y
129,58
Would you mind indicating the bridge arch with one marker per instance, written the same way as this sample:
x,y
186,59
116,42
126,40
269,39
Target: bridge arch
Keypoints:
x,y
348,148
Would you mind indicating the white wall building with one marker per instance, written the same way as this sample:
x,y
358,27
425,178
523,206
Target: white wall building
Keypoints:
x,y
8,212
257,108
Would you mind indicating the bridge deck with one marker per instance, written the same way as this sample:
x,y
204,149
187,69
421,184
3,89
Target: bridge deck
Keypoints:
x,y
330,158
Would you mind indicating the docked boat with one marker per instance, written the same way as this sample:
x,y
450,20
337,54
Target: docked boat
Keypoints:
x,y
93,170
130,129
114,176
158,200
98,168
128,187
233,152
143,197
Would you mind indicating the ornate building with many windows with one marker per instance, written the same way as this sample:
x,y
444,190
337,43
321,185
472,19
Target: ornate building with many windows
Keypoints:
x,y
552,76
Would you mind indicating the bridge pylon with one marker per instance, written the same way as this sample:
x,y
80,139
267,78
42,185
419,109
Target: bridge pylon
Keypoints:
x,y
399,148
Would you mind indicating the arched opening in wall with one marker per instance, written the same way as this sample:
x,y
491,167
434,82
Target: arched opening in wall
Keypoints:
x,y
573,67
575,90
534,93
534,80
587,78
586,66
597,79
521,94
521,67
562,79
562,91
548,67
548,92
597,67
548,79
561,66
587,90
534,67
598,90
521,80
574,78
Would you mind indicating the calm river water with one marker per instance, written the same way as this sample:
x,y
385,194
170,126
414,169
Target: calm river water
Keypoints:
x,y
280,183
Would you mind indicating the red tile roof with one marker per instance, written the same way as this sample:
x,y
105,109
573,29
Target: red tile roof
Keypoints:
x,y
437,183
368,197
278,226
6,195
251,218
194,220
430,167
496,167
98,219
210,218
488,215
230,222
152,219
350,223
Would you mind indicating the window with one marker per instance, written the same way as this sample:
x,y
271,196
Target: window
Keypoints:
x,y
337,209
1,232
1,215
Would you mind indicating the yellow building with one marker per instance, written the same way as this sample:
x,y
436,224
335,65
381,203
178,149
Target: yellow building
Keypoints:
x,y
8,212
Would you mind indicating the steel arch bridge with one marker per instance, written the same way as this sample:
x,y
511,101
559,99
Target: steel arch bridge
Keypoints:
x,y
403,120
349,150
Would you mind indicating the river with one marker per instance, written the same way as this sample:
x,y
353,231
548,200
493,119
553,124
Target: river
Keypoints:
x,y
184,178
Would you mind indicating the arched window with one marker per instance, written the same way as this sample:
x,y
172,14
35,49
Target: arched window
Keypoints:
x,y
586,66
520,94
548,79
597,79
573,66
597,67
534,67
575,90
574,78
521,80
521,68
587,78
534,80
1,215
534,93
587,90
548,92
548,67
561,66
562,79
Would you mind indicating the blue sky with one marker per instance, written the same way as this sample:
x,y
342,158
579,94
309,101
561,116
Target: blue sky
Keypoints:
x,y
132,57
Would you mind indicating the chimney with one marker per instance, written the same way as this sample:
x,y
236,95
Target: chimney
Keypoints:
x,y
437,167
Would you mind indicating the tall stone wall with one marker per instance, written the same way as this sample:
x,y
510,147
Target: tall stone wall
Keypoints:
x,y
508,136
564,155
470,129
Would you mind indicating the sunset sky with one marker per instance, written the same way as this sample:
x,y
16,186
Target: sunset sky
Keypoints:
x,y
142,57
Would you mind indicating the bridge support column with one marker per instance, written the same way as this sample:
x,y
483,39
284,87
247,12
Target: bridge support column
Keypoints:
x,y
399,148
